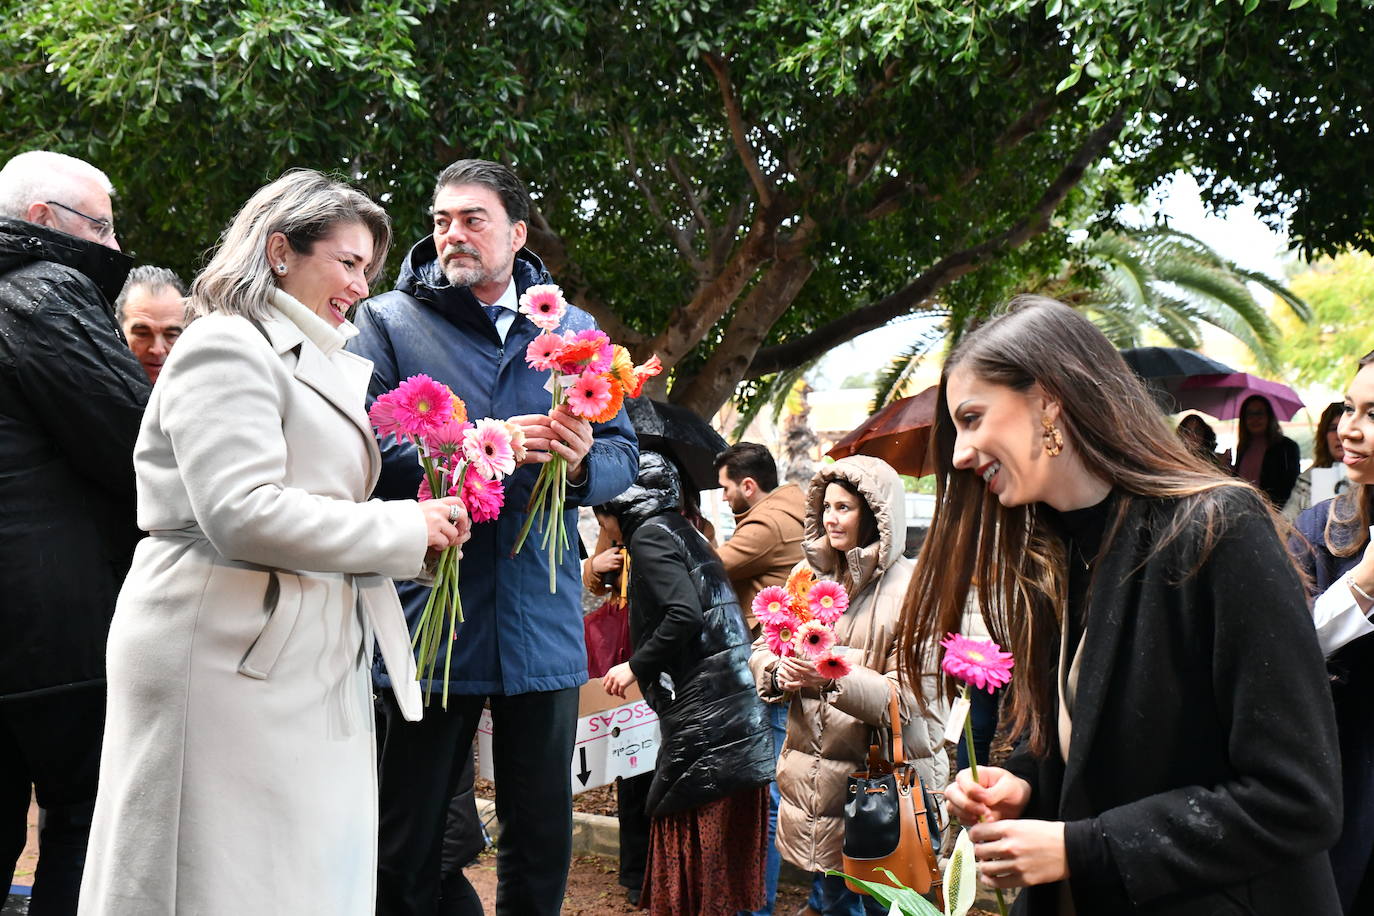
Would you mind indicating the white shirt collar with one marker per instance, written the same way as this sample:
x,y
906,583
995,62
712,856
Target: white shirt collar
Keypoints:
x,y
508,299
329,339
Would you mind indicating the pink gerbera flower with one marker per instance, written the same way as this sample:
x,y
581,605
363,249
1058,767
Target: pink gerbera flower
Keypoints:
x,y
488,447
979,662
772,604
382,416
447,439
828,601
833,667
421,405
589,395
781,635
517,441
483,498
815,638
545,352
544,305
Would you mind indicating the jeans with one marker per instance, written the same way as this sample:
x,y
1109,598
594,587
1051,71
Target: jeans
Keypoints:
x,y
830,897
777,718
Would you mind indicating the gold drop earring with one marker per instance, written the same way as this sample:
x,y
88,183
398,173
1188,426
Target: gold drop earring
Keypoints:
x,y
1054,441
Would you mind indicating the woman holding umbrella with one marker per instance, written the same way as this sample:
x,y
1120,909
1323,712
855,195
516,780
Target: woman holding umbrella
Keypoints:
x,y
1264,455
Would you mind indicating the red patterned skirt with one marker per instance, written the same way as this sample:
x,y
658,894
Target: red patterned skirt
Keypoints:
x,y
708,861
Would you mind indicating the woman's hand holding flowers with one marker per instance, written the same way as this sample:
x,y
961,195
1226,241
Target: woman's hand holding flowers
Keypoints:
x,y
796,672
995,796
1013,853
441,532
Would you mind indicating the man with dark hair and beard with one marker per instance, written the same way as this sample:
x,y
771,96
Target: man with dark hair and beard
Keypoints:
x,y
454,316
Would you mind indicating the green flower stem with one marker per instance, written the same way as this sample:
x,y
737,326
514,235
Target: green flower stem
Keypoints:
x,y
973,770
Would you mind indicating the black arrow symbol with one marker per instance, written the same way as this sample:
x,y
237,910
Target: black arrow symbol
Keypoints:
x,y
585,773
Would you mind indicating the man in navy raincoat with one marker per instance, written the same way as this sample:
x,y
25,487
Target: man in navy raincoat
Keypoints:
x,y
453,316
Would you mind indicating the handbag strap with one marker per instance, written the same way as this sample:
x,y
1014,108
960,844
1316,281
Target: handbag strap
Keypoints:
x,y
895,721
624,573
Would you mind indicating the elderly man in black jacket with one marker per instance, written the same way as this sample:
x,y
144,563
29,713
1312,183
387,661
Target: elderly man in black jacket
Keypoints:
x,y
71,401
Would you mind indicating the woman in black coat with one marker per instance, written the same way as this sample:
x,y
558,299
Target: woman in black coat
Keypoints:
x,y
709,797
1264,455
1179,752
1335,549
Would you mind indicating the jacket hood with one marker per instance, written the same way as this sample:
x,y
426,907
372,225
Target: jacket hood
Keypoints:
x,y
881,487
422,277
656,491
23,242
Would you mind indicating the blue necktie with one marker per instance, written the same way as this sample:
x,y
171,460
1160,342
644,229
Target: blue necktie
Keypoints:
x,y
493,312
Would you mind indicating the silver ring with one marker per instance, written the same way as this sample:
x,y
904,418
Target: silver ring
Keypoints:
x,y
453,513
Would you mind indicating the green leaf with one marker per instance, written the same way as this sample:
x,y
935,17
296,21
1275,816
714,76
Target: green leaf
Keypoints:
x,y
1069,81
908,902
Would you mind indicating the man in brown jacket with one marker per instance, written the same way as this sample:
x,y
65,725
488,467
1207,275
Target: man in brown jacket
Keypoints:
x,y
768,522
766,545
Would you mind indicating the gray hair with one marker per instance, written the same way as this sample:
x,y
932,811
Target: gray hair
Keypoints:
x,y
153,278
303,205
40,175
493,175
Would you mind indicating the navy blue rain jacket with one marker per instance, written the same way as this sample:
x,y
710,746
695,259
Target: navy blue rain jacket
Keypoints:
x,y
517,637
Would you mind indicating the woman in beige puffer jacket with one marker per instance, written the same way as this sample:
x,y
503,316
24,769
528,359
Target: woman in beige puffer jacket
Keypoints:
x,y
830,727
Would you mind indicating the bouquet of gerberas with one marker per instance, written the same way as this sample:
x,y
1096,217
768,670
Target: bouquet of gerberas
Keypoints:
x,y
459,458
800,619
592,377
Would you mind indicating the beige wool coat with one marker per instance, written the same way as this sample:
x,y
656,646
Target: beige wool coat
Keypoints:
x,y
829,731
238,773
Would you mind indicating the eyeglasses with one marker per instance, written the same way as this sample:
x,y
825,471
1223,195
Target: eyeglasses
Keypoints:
x,y
104,228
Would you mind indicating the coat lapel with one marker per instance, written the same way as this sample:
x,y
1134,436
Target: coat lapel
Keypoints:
x,y
342,383
1107,610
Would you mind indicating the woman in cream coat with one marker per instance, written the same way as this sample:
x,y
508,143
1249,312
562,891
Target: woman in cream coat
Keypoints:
x,y
238,772
855,532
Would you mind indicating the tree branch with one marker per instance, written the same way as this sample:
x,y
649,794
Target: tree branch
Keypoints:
x,y
738,129
713,385
688,193
949,268
680,239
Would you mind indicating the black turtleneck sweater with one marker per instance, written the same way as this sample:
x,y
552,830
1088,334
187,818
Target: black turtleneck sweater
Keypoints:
x,y
1086,851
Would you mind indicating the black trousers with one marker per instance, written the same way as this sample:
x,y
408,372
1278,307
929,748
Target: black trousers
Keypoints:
x,y
630,796
50,746
463,842
421,764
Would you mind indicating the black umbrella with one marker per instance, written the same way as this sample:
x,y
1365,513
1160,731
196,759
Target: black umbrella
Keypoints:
x,y
680,434
1172,362
1165,369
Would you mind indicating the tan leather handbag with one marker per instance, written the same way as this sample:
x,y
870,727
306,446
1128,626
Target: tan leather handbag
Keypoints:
x,y
890,820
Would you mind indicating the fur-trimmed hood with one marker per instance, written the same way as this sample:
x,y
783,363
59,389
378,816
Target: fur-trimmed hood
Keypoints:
x,y
881,487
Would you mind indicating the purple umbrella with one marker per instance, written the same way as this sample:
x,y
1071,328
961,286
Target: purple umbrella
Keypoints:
x,y
1222,395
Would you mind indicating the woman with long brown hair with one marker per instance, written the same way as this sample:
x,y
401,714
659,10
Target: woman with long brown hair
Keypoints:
x,y
1178,752
1337,554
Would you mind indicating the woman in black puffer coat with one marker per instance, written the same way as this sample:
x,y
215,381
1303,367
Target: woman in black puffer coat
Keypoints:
x,y
709,797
